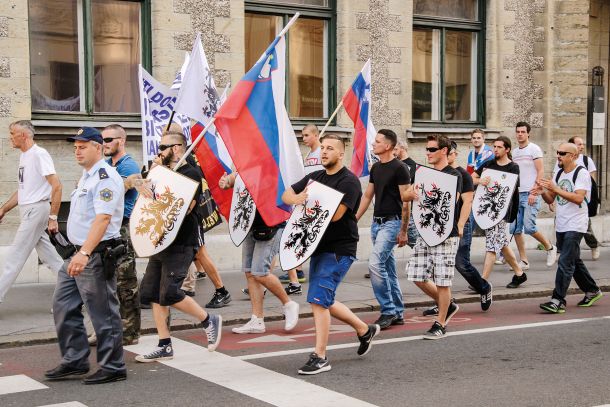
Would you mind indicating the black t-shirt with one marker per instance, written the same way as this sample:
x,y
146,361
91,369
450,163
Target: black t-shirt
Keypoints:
x,y
513,168
386,177
188,235
467,186
412,167
450,170
341,237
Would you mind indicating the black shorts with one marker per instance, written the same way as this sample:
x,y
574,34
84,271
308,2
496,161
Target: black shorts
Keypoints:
x,y
164,275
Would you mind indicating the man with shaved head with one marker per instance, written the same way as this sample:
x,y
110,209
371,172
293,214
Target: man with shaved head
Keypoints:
x,y
569,188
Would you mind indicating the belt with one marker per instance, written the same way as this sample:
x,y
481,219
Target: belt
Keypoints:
x,y
101,246
384,219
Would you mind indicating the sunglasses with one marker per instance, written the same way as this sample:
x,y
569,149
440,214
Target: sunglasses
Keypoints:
x,y
432,149
562,153
163,147
109,139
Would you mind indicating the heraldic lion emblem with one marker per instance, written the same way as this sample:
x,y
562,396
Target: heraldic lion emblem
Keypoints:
x,y
493,200
435,205
243,209
162,214
307,228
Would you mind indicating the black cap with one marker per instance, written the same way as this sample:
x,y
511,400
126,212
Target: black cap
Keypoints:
x,y
87,134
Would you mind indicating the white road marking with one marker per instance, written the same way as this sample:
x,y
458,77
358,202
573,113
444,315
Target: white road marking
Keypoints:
x,y
68,404
19,383
419,337
246,378
272,338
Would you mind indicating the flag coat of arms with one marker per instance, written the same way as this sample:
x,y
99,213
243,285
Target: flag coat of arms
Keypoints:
x,y
243,211
434,212
357,104
254,125
491,202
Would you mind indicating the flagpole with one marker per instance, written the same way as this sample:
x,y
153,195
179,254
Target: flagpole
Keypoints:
x,y
332,116
194,143
171,119
287,27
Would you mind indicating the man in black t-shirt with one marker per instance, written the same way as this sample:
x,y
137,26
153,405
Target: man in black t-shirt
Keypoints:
x,y
432,268
334,255
388,184
401,151
166,270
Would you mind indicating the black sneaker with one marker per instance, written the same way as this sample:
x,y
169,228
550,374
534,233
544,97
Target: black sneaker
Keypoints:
x,y
451,311
247,292
165,352
384,321
189,293
292,289
367,338
590,299
398,320
315,365
201,275
437,331
517,281
487,298
431,312
219,300
553,307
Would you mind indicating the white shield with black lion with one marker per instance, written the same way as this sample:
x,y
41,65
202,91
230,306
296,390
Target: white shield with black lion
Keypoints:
x,y
307,225
491,202
434,212
243,211
155,221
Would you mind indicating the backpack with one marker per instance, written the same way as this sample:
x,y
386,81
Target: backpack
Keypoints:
x,y
592,203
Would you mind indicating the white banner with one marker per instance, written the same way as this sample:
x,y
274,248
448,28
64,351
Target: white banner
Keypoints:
x,y
243,210
307,225
491,202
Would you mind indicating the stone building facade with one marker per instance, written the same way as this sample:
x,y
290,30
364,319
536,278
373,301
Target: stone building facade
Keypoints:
x,y
536,63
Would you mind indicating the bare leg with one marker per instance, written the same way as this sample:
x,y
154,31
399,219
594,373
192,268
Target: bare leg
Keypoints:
x,y
488,265
321,319
444,298
189,306
292,276
509,255
272,283
160,314
203,258
345,315
520,241
256,295
540,237
429,288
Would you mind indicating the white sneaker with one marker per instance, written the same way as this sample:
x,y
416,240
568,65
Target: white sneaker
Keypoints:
x,y
291,313
524,266
595,253
254,326
551,256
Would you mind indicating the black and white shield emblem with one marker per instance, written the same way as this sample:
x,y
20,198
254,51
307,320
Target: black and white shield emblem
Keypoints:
x,y
243,210
491,202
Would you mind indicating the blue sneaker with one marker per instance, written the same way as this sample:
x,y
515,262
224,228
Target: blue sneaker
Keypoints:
x,y
284,279
214,332
160,353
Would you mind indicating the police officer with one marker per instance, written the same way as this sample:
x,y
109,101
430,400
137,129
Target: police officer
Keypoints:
x,y
94,223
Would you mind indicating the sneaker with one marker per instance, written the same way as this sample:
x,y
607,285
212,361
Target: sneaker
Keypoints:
x,y
524,265
201,275
315,365
165,352
291,313
367,338
254,326
553,307
517,281
367,275
431,312
214,332
219,300
189,293
398,320
590,299
437,331
284,279
595,253
487,298
471,288
453,309
500,260
292,289
385,321
551,256
247,292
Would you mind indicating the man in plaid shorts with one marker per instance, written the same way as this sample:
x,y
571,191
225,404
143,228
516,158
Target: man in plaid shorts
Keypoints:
x,y
432,268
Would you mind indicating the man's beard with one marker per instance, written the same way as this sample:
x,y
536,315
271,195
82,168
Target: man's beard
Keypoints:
x,y
167,160
111,152
329,164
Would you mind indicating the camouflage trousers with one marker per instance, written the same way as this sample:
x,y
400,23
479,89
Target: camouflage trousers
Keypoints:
x,y
127,290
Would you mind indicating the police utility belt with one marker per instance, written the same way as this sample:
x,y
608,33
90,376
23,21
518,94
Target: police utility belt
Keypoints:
x,y
383,219
111,251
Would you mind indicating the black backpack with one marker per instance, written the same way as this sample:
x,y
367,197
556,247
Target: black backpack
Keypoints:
x,y
592,203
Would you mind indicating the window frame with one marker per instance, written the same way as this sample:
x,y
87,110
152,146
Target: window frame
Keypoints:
x,y
445,24
88,89
329,14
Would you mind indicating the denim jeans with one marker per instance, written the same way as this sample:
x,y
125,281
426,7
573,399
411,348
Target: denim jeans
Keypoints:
x,y
590,238
526,217
465,267
571,265
382,268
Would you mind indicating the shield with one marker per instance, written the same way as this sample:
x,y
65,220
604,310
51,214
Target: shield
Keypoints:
x,y
491,202
434,212
243,210
307,225
155,222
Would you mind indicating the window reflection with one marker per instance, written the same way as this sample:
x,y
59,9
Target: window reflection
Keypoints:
x,y
462,9
459,75
426,84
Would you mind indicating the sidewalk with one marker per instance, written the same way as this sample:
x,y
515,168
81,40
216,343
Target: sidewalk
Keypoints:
x,y
25,316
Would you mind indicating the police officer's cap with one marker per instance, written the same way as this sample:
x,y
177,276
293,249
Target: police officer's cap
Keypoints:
x,y
87,134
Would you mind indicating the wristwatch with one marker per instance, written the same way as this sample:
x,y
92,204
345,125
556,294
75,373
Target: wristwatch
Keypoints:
x,y
53,217
84,253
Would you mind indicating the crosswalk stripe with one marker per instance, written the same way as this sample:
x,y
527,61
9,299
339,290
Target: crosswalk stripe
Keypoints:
x,y
19,383
246,378
68,404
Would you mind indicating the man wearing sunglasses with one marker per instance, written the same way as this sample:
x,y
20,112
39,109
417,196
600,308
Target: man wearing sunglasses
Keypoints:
x,y
569,188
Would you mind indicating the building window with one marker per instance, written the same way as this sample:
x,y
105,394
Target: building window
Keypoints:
x,y
309,87
84,55
448,67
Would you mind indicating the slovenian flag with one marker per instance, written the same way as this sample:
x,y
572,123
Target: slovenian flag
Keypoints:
x,y
357,104
257,132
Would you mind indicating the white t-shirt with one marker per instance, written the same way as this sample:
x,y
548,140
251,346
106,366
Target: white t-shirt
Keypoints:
x,y
313,162
524,157
581,161
571,217
34,165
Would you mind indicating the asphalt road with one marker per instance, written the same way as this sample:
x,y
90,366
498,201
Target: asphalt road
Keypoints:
x,y
513,356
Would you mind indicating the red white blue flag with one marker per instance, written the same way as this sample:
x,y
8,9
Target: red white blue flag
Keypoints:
x,y
357,104
257,132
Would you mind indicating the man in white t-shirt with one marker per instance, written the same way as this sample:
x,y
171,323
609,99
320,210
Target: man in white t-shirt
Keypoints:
x,y
529,158
38,184
569,188
311,138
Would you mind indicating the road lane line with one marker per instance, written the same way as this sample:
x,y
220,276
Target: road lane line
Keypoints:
x,y
419,337
68,404
19,383
246,378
